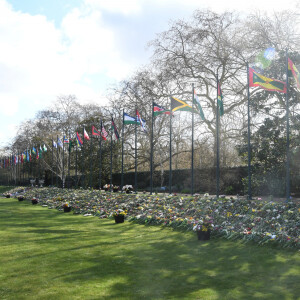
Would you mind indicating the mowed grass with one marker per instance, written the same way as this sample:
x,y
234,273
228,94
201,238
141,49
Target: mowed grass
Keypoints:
x,y
47,254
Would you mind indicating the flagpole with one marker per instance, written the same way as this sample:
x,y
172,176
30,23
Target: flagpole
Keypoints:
x,y
76,174
249,135
63,164
151,151
135,153
217,142
57,163
100,156
39,165
170,168
30,164
42,162
122,171
52,164
111,144
287,133
69,161
91,162
83,158
192,188
17,168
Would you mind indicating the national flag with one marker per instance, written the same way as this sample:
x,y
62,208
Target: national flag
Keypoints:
x,y
104,133
256,79
40,152
220,100
157,110
85,135
198,105
30,157
293,71
45,148
59,142
95,132
177,104
142,122
128,119
66,140
71,145
78,139
27,156
114,129
37,155
54,144
33,150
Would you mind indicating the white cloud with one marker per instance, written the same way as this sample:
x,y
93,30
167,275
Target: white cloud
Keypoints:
x,y
39,61
125,7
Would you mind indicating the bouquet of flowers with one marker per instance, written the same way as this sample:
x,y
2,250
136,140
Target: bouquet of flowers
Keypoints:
x,y
119,212
65,205
205,224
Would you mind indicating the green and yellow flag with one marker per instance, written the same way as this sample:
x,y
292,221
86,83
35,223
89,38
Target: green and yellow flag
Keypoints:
x,y
294,72
177,104
256,79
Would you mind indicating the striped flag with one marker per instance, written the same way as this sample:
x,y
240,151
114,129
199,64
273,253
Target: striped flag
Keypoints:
x,y
128,119
104,133
78,139
157,110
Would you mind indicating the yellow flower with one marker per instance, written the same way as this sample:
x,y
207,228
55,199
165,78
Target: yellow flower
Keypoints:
x,y
229,214
204,228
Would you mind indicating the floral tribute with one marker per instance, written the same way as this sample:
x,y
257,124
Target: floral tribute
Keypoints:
x,y
250,220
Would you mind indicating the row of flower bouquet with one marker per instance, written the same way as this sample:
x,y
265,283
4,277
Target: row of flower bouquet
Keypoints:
x,y
255,220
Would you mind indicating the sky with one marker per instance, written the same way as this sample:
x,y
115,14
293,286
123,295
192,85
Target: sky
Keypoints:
x,y
50,48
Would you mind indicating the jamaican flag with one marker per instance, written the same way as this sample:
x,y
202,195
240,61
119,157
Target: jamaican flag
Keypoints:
x,y
177,104
294,72
256,79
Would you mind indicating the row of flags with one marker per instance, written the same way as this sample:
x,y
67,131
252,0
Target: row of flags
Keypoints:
x,y
255,80
23,157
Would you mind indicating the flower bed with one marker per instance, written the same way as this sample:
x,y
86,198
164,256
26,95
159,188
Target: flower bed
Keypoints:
x,y
258,221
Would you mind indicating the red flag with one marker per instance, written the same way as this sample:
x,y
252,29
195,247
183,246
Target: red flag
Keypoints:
x,y
86,135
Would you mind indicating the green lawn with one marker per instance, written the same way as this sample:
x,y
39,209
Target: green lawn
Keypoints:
x,y
47,254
